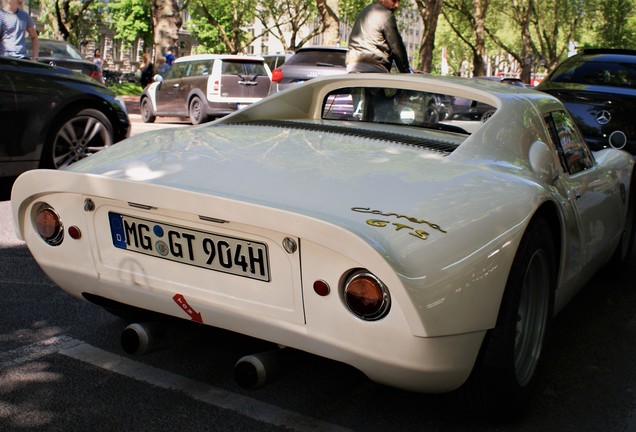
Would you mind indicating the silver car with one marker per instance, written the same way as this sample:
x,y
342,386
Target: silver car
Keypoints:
x,y
307,63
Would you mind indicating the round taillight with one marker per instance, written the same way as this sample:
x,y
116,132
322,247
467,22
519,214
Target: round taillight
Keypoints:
x,y
277,75
366,296
49,226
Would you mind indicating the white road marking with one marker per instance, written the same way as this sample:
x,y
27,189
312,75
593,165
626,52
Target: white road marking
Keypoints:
x,y
202,392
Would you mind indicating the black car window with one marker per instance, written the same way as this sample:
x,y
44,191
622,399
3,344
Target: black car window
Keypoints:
x,y
241,67
573,152
616,74
312,57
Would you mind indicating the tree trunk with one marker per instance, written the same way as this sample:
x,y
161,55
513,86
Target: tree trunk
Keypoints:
x,y
328,10
523,16
166,19
480,10
429,11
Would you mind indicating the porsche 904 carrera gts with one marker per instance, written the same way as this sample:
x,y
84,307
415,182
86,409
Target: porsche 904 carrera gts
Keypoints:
x,y
355,218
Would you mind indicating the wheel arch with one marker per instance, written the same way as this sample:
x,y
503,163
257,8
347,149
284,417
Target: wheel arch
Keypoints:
x,y
201,95
75,107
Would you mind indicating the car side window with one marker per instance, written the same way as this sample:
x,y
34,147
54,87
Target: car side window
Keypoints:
x,y
176,71
201,67
573,152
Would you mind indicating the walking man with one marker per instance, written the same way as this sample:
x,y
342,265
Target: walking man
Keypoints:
x,y
375,42
15,23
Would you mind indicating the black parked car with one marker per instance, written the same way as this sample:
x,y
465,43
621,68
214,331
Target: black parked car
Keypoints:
x,y
598,86
59,53
51,117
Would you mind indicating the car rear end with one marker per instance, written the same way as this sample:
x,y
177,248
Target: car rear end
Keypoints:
x,y
308,63
604,115
235,83
598,87
61,54
254,269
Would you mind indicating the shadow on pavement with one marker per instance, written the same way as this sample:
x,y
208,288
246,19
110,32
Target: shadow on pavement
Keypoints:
x,y
6,183
132,104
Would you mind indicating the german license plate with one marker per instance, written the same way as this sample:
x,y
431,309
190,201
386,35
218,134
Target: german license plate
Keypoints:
x,y
217,252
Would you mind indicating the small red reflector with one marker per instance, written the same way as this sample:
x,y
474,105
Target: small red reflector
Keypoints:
x,y
277,75
321,288
74,232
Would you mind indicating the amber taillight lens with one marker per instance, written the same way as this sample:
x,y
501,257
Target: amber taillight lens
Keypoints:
x,y
49,226
366,296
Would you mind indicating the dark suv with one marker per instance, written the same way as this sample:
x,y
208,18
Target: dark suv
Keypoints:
x,y
598,86
206,86
307,63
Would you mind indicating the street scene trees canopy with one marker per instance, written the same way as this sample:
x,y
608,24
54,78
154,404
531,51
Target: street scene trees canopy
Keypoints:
x,y
455,36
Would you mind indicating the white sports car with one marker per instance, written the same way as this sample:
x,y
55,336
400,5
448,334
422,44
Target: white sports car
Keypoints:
x,y
356,217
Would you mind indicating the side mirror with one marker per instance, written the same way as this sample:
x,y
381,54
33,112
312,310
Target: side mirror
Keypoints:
x,y
157,78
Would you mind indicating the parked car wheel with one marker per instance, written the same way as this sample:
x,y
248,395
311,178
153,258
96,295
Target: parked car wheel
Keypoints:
x,y
147,114
76,136
504,375
624,249
196,111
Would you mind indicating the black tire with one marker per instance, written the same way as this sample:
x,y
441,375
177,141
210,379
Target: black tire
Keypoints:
x,y
504,377
76,136
197,111
626,244
147,113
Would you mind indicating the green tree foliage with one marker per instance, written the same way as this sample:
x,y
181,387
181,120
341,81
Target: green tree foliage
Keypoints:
x,y
293,22
615,24
131,20
534,33
221,25
75,21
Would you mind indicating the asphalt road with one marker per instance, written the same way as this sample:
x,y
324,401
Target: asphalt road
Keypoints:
x,y
62,369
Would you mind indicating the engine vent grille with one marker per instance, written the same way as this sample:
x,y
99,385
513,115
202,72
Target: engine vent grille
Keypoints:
x,y
445,147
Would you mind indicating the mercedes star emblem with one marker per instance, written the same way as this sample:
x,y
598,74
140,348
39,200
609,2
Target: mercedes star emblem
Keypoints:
x,y
603,117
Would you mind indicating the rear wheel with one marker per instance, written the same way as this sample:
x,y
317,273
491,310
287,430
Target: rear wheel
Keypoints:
x,y
197,111
626,244
504,376
76,136
147,114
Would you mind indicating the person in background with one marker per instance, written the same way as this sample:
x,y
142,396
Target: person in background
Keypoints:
x,y
162,66
375,42
147,70
169,57
15,23
97,59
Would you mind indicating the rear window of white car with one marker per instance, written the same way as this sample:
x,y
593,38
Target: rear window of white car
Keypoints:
x,y
242,67
406,107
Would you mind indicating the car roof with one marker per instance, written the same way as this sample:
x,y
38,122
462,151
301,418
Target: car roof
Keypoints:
x,y
53,41
219,57
606,54
323,48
